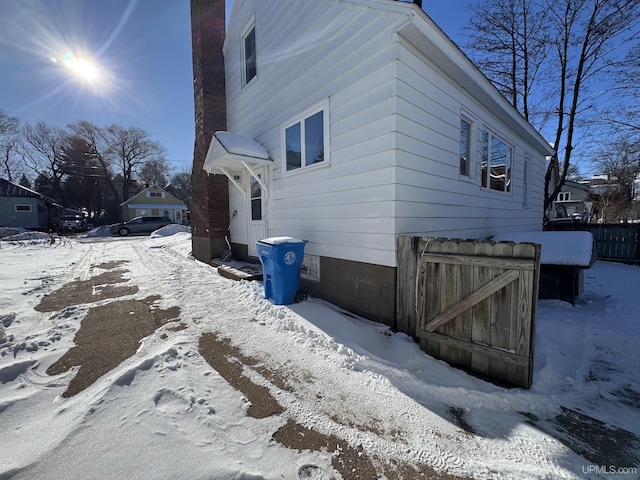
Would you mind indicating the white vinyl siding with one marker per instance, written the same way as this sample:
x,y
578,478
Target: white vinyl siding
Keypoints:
x,y
393,132
335,51
431,198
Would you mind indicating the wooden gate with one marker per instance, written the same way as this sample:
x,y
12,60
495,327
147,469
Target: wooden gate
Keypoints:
x,y
475,306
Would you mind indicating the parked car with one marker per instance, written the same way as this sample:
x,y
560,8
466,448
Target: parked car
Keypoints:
x,y
139,225
72,223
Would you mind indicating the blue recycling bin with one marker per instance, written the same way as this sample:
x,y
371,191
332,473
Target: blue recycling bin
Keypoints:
x,y
281,258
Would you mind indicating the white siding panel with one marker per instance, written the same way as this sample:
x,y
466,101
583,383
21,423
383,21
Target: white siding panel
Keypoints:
x,y
392,167
432,197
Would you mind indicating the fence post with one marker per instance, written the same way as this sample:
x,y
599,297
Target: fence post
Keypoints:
x,y
407,263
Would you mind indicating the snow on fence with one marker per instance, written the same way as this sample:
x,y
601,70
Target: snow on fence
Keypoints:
x,y
618,242
471,303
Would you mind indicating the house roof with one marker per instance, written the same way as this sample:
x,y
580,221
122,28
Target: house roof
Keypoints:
x,y
140,199
421,32
10,189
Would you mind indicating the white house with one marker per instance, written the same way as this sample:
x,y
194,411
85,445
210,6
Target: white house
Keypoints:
x,y
154,201
355,121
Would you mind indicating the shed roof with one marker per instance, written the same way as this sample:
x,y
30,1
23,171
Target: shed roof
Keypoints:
x,y
10,189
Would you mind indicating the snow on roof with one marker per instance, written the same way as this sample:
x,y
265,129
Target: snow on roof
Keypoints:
x,y
557,248
239,145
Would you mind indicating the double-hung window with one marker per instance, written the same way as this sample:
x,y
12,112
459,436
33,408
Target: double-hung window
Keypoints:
x,y
250,55
497,161
305,141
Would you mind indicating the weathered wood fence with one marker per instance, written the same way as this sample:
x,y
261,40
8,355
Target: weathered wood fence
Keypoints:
x,y
471,303
617,242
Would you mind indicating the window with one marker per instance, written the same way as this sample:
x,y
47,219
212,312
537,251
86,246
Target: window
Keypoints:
x,y
23,208
256,200
564,197
154,194
250,56
465,147
497,158
305,142
525,182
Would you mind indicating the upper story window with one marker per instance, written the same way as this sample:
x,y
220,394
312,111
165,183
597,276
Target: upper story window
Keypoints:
x,y
305,141
155,194
497,161
249,54
465,147
564,197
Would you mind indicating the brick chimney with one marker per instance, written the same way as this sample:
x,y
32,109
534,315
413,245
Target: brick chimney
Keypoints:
x,y
210,207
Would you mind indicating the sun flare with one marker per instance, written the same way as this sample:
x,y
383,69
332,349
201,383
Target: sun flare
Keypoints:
x,y
82,68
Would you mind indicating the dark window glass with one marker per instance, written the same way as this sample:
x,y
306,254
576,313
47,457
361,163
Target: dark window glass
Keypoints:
x,y
465,146
294,147
485,157
250,55
314,139
256,200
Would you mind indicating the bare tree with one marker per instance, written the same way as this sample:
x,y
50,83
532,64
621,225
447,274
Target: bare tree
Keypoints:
x,y
9,141
621,164
42,149
582,46
589,32
623,117
129,149
180,186
510,41
154,172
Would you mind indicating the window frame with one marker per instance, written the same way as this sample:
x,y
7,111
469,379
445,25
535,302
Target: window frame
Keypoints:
x,y
470,147
24,208
300,119
564,197
251,28
525,180
508,184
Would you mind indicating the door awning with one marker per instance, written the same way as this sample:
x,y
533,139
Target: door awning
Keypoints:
x,y
229,152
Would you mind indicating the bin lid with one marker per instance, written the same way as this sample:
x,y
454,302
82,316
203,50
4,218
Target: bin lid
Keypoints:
x,y
281,240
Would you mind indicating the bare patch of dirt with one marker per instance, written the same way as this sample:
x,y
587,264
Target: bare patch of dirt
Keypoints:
x,y
228,361
92,290
408,471
111,265
108,335
352,463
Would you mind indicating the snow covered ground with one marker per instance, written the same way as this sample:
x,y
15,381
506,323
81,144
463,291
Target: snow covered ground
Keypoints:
x,y
166,413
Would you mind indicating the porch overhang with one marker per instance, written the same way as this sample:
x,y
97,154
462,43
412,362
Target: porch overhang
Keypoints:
x,y
230,153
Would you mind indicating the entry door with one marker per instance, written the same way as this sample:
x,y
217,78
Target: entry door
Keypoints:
x,y
257,206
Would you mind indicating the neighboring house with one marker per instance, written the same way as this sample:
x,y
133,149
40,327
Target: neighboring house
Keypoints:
x,y
351,122
154,201
573,201
22,207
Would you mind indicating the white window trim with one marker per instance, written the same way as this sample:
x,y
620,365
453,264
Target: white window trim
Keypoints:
x,y
29,210
493,133
251,25
564,197
319,107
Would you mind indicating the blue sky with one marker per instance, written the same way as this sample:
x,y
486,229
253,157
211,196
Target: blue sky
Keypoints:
x,y
143,52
